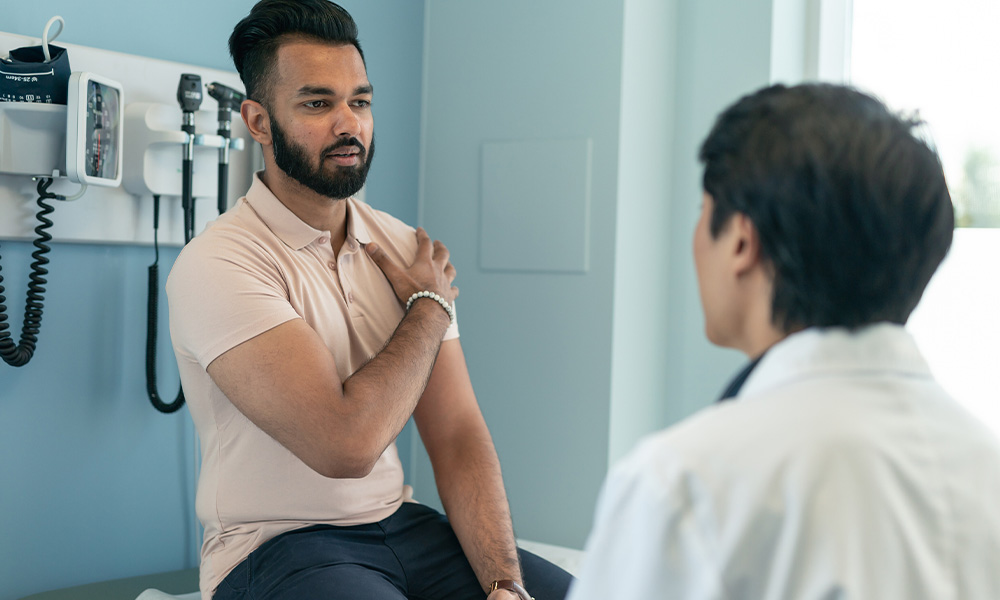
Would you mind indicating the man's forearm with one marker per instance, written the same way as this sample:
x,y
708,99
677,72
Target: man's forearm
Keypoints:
x,y
467,469
472,492
382,395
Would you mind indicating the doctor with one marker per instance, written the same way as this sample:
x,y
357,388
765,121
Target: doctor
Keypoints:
x,y
838,467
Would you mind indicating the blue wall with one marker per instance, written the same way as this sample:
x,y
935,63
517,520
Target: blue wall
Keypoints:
x,y
537,343
95,484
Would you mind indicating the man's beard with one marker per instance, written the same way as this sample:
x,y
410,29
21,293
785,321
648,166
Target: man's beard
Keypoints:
x,y
340,183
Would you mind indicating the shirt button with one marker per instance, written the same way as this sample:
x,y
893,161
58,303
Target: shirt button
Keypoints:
x,y
332,265
350,296
324,240
352,245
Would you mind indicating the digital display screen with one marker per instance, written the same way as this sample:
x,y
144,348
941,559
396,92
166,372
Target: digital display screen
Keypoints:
x,y
101,133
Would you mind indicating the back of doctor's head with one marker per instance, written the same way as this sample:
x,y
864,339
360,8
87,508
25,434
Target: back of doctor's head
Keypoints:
x,y
851,207
255,40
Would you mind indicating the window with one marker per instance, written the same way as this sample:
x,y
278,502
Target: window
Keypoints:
x,y
941,59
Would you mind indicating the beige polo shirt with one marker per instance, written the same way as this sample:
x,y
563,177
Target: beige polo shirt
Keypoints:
x,y
257,267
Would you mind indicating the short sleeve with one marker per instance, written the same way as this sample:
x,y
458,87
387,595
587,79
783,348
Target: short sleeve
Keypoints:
x,y
646,542
222,293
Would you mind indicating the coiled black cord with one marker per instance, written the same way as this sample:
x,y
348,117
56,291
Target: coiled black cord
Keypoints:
x,y
18,355
152,311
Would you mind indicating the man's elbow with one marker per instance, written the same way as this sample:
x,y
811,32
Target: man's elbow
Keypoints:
x,y
349,464
347,470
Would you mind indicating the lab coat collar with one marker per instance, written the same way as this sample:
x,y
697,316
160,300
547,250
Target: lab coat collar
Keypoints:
x,y
824,352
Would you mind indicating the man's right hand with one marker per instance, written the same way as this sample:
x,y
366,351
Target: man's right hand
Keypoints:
x,y
431,270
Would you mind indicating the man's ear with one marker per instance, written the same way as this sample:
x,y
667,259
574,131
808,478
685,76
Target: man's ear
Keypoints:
x,y
257,120
745,244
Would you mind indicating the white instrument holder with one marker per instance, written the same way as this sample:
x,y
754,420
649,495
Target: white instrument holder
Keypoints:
x,y
154,141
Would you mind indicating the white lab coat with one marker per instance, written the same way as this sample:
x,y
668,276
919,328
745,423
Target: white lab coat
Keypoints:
x,y
840,471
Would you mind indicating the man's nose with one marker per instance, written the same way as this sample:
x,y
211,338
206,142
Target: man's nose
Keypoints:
x,y
347,123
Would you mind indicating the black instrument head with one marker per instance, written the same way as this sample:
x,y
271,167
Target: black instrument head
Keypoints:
x,y
189,92
227,97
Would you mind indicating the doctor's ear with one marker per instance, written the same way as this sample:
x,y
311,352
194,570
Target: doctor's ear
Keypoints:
x,y
746,250
257,120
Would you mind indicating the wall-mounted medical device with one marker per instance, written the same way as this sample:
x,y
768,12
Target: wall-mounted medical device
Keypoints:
x,y
81,140
94,131
154,138
150,132
90,136
229,100
55,123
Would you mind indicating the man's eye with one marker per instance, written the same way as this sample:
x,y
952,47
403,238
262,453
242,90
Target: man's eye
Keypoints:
x,y
363,103
316,104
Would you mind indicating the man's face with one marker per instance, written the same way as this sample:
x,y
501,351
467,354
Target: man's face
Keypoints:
x,y
714,285
332,181
321,120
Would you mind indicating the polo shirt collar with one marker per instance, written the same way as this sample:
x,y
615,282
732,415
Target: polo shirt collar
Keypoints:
x,y
824,352
292,230
356,229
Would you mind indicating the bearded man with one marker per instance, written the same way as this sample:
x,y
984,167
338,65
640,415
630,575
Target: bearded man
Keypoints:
x,y
308,328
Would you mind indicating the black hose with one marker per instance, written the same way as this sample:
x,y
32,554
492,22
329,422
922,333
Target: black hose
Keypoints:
x,y
187,198
223,187
18,355
152,312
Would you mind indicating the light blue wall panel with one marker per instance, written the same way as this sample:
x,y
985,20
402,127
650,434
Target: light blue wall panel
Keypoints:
x,y
94,484
723,52
537,344
536,194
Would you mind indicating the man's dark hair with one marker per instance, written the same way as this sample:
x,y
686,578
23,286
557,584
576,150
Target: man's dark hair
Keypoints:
x,y
255,40
852,209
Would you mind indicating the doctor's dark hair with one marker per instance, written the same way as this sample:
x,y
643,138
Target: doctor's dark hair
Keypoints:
x,y
851,208
255,40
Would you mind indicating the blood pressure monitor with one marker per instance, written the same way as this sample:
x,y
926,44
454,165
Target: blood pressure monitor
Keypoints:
x,y
94,112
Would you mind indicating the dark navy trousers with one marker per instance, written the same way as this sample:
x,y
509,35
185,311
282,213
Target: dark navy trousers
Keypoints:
x,y
411,555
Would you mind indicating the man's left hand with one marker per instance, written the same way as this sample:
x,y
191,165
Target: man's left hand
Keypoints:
x,y
503,595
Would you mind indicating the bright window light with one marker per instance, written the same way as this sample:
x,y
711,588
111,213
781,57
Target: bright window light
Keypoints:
x,y
940,60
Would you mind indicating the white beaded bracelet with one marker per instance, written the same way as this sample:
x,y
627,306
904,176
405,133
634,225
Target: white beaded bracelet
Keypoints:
x,y
425,294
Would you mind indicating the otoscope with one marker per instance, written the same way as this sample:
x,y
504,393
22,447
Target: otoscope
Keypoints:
x,y
189,97
229,100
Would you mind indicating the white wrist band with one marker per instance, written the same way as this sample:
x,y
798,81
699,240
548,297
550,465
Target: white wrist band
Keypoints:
x,y
425,294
